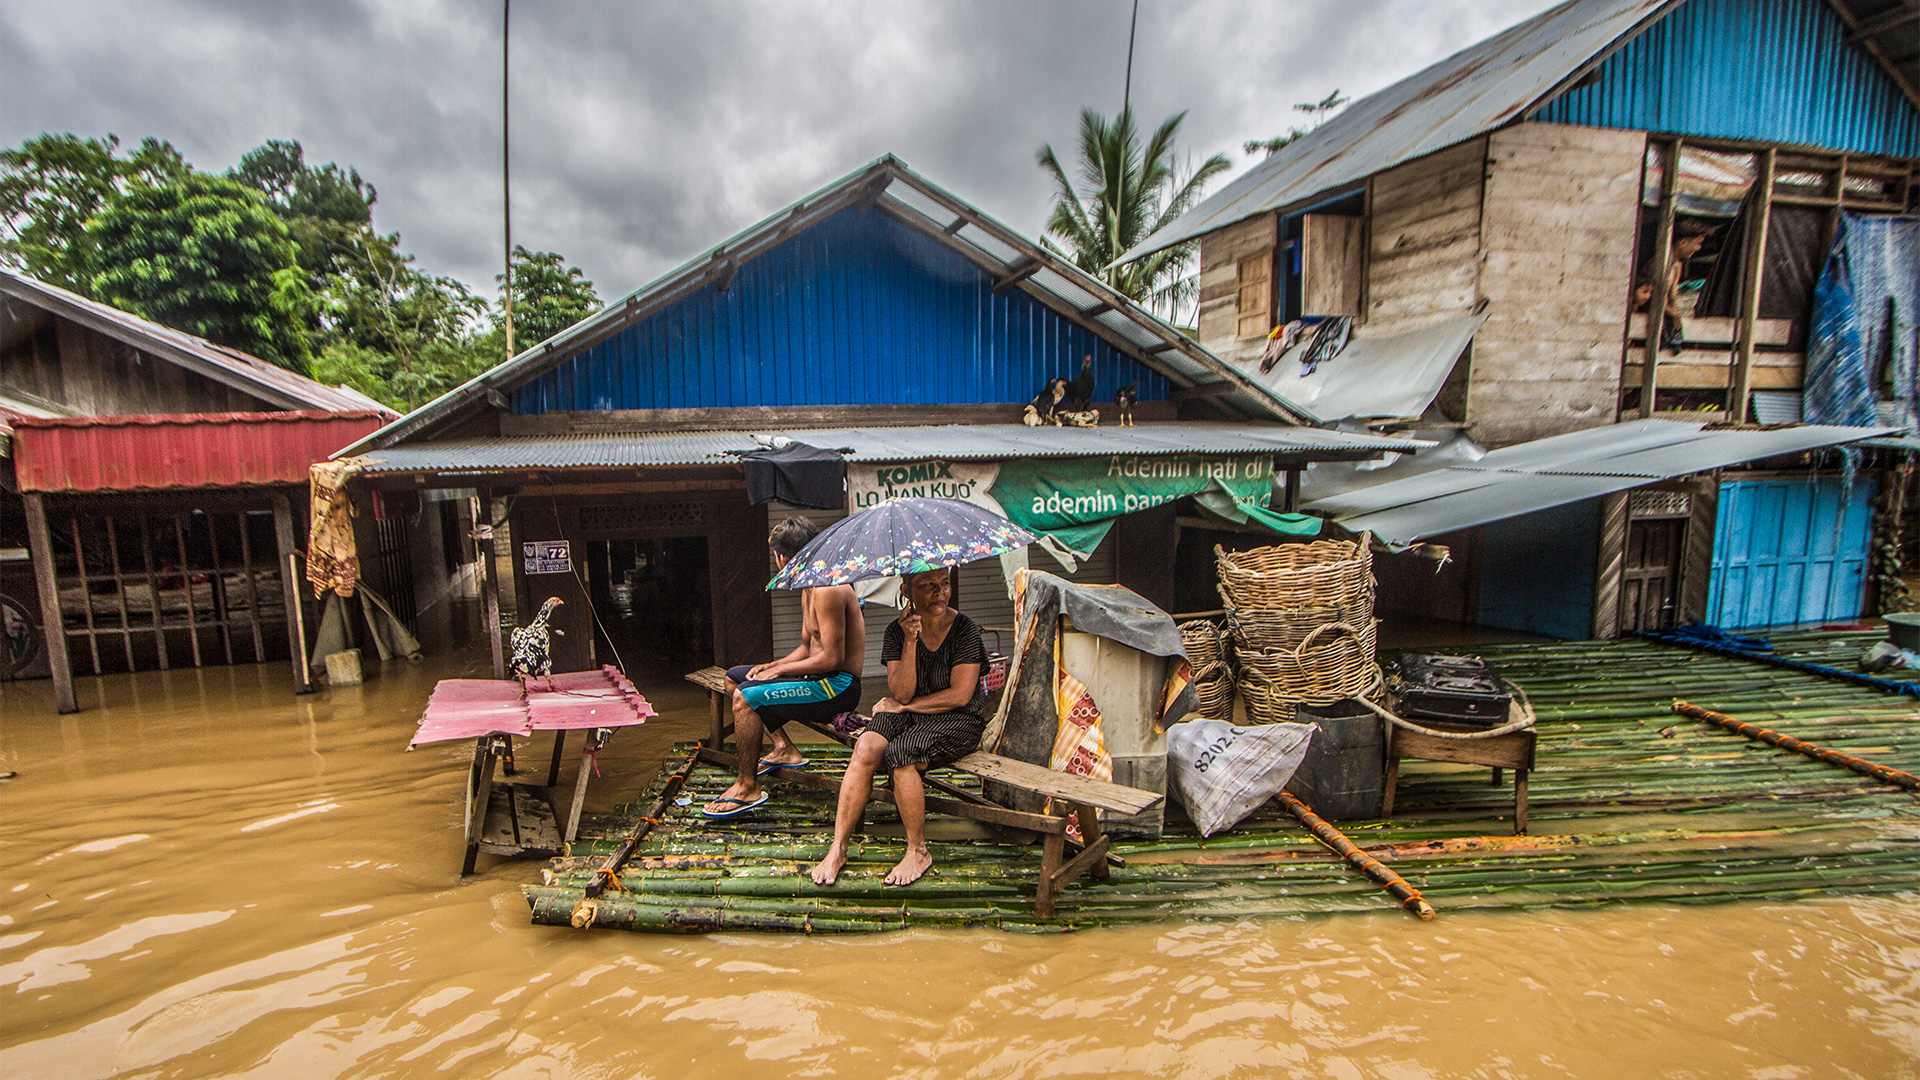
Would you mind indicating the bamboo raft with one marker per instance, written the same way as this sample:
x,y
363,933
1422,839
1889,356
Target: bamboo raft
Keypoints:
x,y
1629,803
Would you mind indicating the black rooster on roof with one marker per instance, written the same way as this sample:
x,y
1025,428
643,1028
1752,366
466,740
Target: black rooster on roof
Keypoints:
x,y
1126,398
1080,390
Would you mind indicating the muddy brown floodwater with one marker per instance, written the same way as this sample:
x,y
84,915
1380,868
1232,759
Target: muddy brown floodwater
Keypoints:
x,y
202,875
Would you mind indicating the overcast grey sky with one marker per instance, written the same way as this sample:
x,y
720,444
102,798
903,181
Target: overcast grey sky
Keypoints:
x,y
647,132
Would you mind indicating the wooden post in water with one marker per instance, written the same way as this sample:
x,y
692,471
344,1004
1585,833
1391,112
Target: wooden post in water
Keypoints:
x,y
490,583
290,591
52,623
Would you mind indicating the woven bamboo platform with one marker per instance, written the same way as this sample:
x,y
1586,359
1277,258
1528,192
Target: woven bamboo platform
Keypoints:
x,y
1629,803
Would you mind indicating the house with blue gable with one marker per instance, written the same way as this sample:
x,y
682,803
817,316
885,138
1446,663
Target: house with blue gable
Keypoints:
x,y
1583,244
888,322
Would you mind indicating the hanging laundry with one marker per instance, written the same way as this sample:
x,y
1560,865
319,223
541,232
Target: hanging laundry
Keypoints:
x,y
333,561
1278,342
798,475
1861,335
1329,338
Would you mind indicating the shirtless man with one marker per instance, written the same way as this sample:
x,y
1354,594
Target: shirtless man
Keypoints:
x,y
817,681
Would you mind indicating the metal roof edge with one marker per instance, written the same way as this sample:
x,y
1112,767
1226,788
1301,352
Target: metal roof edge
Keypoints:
x,y
72,306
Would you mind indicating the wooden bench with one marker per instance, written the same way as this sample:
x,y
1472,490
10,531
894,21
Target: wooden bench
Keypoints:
x,y
1514,750
1075,797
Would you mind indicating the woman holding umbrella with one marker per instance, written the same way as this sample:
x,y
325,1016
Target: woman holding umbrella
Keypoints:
x,y
933,714
935,708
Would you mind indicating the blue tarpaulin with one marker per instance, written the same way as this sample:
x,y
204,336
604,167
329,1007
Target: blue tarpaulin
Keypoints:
x,y
1861,337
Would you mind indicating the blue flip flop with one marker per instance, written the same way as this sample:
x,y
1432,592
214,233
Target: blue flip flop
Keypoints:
x,y
741,806
769,766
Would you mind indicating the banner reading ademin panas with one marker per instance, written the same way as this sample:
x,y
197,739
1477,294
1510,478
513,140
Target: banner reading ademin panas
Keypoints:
x,y
1073,499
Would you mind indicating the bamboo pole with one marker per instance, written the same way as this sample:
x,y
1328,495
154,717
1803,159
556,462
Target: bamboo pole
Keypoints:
x,y
1408,896
1787,742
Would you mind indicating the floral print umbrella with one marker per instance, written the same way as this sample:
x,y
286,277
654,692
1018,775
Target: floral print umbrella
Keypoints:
x,y
901,536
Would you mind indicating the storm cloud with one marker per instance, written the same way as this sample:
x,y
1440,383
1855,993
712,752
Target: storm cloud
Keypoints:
x,y
644,133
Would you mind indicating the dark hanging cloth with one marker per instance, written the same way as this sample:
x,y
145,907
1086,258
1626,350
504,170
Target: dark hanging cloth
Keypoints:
x,y
1793,259
798,475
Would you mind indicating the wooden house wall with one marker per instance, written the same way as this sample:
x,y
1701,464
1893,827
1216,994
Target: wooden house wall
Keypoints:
x,y
1422,258
95,375
1557,243
1221,253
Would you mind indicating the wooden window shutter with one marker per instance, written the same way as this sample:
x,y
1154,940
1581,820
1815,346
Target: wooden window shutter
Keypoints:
x,y
1255,304
1331,264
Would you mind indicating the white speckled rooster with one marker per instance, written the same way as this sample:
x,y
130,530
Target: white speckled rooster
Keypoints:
x,y
531,651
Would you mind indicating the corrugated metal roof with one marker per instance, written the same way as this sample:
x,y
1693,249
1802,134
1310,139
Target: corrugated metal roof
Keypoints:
x,y
953,442
1781,71
231,367
890,185
1473,91
143,453
1562,469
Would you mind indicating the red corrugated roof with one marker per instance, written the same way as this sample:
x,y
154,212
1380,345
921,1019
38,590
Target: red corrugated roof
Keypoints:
x,y
145,453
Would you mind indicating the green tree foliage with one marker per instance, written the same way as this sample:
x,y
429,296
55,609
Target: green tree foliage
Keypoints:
x,y
52,185
412,331
1127,191
277,257
548,296
1316,109
325,207
207,255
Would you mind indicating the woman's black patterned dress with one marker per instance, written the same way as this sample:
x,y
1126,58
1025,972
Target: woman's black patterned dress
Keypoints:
x,y
934,739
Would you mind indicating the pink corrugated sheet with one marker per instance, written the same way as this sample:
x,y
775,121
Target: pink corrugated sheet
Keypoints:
x,y
470,708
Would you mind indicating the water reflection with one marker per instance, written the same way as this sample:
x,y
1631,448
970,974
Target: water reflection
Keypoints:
x,y
205,876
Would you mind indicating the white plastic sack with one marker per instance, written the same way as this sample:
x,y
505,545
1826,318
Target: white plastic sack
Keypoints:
x,y
1223,772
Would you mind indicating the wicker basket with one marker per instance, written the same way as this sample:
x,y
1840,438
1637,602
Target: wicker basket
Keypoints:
x,y
1335,662
1212,675
1324,573
1278,629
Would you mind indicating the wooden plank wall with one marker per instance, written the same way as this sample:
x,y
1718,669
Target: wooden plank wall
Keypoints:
x,y
1221,253
70,365
1557,244
1422,259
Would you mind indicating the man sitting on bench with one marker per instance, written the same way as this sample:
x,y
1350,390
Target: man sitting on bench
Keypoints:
x,y
933,715
817,681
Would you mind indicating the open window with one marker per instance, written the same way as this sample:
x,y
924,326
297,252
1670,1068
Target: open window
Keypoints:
x,y
1322,260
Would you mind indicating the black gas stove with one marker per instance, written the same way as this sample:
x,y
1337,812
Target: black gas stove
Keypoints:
x,y
1462,690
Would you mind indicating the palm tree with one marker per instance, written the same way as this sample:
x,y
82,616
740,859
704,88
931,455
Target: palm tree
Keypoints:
x,y
1127,193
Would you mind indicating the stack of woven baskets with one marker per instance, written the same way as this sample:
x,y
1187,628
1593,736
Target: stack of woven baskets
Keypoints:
x,y
1300,619
1212,676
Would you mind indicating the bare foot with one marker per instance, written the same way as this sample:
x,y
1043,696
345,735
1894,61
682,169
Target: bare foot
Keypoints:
x,y
829,869
910,868
781,750
731,800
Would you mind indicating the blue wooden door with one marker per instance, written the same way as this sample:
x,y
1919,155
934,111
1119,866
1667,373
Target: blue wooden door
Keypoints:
x,y
1789,551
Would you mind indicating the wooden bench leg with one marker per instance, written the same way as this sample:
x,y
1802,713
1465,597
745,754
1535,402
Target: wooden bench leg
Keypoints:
x,y
580,787
1052,851
1090,835
479,797
1393,781
1519,802
716,720
1496,776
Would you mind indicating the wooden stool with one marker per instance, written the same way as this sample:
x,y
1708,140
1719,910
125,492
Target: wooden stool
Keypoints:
x,y
719,703
1513,750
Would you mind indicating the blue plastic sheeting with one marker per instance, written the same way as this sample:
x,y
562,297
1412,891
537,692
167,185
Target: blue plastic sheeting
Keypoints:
x,y
1770,70
1789,551
1536,571
857,310
1861,332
